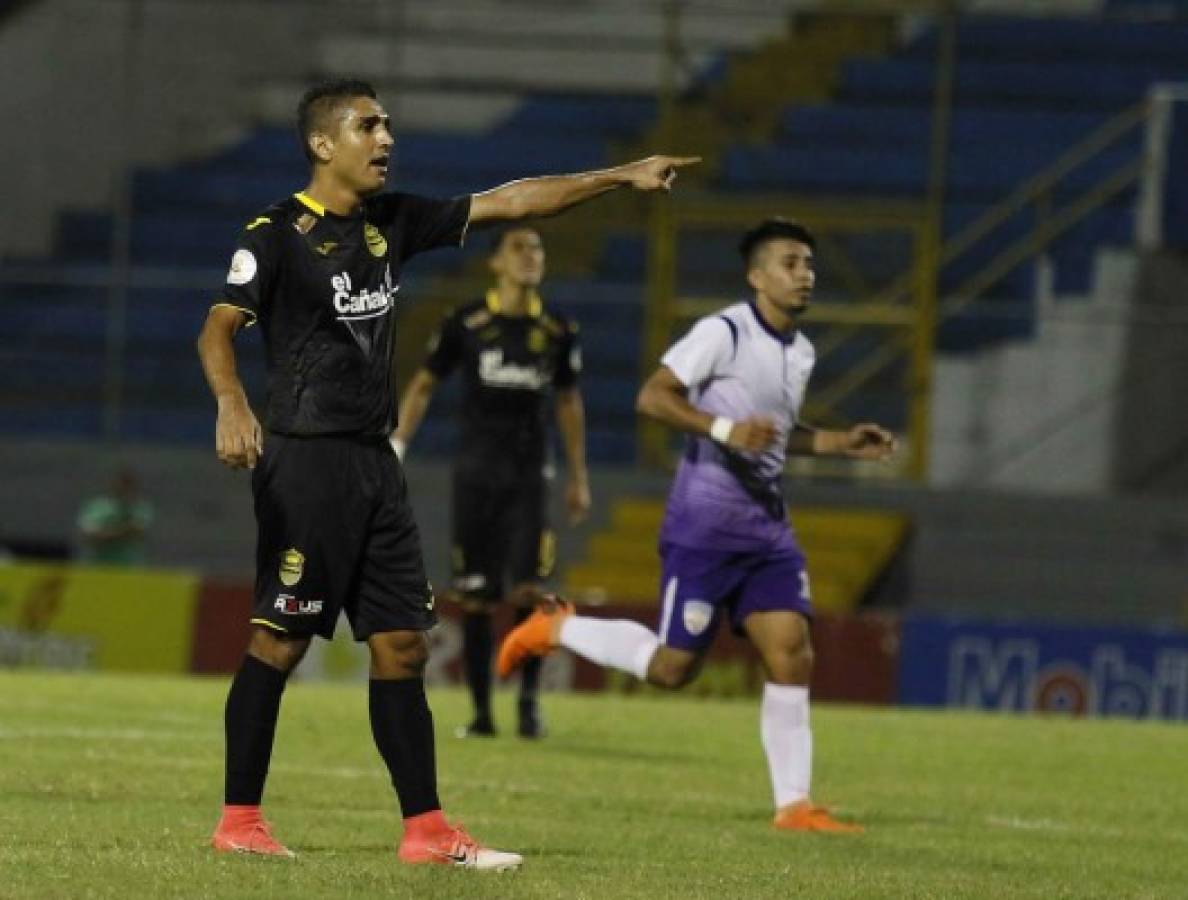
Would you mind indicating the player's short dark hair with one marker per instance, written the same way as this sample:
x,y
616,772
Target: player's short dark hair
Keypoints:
x,y
499,235
773,229
319,103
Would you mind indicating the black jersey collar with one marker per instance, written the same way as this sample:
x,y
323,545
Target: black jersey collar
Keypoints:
x,y
535,304
320,210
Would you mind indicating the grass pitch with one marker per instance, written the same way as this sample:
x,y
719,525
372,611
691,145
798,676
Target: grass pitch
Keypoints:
x,y
110,786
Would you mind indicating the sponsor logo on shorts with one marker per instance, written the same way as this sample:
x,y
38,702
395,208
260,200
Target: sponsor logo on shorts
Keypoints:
x,y
696,614
292,567
291,606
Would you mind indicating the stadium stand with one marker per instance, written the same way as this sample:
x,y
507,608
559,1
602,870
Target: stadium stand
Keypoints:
x,y
827,115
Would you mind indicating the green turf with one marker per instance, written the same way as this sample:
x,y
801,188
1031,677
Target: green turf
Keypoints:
x,y
109,787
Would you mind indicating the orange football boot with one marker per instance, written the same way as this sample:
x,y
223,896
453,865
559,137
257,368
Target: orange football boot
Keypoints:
x,y
806,816
249,837
538,635
455,847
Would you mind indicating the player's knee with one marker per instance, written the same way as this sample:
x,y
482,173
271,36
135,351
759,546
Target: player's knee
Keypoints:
x,y
670,673
398,654
792,664
278,651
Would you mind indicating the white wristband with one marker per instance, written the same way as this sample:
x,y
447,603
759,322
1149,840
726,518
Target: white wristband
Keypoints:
x,y
398,447
720,429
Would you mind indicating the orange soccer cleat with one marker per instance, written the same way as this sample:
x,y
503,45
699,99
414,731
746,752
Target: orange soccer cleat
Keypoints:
x,y
455,847
248,837
806,816
538,635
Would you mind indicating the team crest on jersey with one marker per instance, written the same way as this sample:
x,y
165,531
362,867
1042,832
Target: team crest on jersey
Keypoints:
x,y
292,567
696,614
537,340
376,243
305,223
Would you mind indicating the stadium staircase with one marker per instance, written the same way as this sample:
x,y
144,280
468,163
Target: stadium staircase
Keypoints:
x,y
848,551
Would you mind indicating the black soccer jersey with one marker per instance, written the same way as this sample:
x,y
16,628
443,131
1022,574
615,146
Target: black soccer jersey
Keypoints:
x,y
323,288
510,365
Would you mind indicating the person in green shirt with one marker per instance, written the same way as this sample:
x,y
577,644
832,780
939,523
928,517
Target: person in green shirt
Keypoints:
x,y
113,525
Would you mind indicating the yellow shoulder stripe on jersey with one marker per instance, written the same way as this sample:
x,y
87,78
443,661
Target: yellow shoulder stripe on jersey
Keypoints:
x,y
535,305
269,624
257,222
310,202
251,316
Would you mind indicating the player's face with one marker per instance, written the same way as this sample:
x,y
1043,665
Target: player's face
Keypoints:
x,y
520,258
783,272
362,146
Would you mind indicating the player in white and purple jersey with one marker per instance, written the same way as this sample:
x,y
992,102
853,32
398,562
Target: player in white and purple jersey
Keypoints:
x,y
734,384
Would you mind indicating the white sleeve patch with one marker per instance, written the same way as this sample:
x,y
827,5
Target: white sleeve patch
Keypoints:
x,y
243,267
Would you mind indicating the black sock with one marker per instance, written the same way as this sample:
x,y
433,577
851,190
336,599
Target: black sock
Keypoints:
x,y
476,651
253,704
402,726
529,672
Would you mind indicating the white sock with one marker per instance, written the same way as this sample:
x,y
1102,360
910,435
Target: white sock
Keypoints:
x,y
787,740
618,643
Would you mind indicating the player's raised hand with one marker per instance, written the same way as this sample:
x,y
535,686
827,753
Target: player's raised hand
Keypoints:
x,y
869,441
753,435
238,438
656,173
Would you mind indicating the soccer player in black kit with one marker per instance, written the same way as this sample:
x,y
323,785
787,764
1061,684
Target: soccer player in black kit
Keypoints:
x,y
515,354
320,272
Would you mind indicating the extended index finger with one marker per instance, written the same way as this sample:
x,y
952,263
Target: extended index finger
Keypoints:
x,y
681,161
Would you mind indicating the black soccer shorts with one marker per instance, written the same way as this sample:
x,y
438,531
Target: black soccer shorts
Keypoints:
x,y
335,533
501,531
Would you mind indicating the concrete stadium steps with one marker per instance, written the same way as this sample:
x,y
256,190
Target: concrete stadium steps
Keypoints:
x,y
847,551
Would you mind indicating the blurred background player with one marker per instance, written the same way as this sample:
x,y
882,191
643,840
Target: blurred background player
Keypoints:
x,y
319,271
113,526
514,352
735,384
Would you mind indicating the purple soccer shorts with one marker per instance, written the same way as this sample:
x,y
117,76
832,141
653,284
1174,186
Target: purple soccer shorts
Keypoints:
x,y
697,585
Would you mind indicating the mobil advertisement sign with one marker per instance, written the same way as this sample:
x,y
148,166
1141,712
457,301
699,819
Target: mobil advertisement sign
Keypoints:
x,y
1044,668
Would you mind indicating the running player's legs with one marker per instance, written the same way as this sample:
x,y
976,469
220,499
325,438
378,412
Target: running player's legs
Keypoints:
x,y
774,608
696,586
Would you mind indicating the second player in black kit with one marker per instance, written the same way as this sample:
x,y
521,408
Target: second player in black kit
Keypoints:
x,y
515,355
320,274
